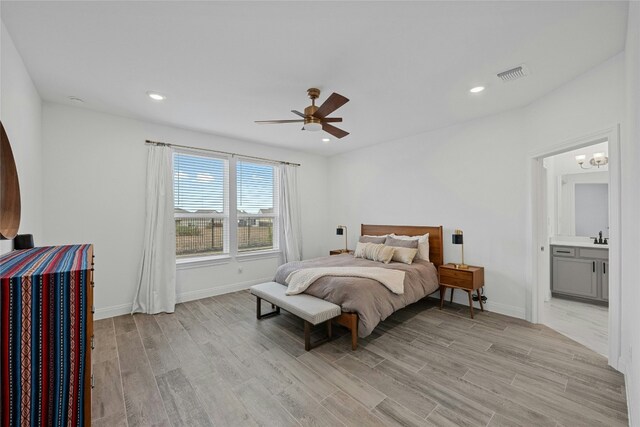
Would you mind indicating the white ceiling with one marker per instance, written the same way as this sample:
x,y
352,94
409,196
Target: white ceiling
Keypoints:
x,y
406,67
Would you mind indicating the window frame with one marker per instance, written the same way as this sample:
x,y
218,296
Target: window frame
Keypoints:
x,y
275,216
225,215
230,216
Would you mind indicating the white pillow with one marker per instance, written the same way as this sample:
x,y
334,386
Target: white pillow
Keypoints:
x,y
423,244
404,255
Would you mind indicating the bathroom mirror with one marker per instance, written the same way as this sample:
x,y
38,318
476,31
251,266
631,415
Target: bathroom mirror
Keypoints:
x,y
9,189
583,201
591,209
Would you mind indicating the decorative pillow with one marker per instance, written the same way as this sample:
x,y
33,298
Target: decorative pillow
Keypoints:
x,y
374,252
423,244
381,252
372,239
359,252
401,243
405,255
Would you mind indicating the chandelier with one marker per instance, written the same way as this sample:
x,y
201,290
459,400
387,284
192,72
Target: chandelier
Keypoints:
x,y
598,159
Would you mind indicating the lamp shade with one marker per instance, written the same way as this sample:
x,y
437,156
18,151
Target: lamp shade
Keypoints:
x,y
339,231
456,238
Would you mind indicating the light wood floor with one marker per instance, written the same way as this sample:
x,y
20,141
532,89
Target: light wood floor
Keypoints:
x,y
213,363
585,323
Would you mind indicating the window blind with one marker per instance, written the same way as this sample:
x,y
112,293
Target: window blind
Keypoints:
x,y
257,206
201,194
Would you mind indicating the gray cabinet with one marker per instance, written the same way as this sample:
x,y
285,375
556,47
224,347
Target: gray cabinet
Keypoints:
x,y
580,272
605,280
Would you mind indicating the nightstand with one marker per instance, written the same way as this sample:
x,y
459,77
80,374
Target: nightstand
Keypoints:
x,y
340,252
469,280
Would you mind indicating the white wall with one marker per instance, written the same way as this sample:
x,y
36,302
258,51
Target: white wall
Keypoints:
x,y
474,176
468,176
20,112
630,216
95,173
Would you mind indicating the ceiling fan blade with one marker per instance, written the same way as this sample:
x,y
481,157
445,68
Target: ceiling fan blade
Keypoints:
x,y
331,104
331,120
298,113
338,133
270,122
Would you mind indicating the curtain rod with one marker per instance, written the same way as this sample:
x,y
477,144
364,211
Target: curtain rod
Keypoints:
x,y
220,152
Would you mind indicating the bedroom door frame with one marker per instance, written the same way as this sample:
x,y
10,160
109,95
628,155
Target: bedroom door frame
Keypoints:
x,y
537,193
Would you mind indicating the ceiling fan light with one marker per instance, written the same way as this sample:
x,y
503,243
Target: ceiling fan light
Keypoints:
x,y
313,127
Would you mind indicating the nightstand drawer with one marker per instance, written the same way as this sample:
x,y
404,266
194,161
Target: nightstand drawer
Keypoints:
x,y
456,274
462,282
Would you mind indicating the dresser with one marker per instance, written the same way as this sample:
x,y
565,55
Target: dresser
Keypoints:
x,y
46,305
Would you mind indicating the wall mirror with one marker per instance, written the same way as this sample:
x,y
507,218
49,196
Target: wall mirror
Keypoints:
x,y
9,190
583,204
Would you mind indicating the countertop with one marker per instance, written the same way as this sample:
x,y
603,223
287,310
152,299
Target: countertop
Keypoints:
x,y
579,245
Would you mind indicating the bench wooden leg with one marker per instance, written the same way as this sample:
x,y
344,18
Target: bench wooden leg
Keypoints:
x,y
259,314
307,335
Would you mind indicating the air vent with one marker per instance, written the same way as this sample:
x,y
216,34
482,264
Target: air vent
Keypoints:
x,y
513,74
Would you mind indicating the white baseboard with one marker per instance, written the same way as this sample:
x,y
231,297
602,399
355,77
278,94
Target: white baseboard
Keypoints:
x,y
117,310
113,311
219,290
496,307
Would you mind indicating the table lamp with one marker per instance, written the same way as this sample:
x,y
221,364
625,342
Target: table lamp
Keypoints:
x,y
342,229
457,239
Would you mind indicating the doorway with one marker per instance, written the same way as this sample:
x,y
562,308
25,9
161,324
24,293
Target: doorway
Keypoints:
x,y
575,241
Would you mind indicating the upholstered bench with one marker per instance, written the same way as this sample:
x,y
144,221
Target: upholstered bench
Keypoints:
x,y
310,309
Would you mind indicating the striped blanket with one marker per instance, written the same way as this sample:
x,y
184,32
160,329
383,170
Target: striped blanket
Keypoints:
x,y
43,309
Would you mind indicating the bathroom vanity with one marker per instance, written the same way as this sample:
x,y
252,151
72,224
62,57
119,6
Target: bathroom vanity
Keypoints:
x,y
580,271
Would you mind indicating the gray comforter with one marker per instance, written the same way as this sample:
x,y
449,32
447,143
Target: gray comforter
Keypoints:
x,y
371,300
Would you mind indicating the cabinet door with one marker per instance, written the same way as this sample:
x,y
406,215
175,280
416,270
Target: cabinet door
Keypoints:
x,y
605,280
575,276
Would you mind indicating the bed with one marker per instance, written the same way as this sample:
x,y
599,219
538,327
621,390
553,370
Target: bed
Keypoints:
x,y
365,302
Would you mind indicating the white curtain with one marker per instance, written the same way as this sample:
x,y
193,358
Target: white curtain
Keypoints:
x,y
157,283
291,231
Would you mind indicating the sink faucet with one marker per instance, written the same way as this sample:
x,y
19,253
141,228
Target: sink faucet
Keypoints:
x,y
599,241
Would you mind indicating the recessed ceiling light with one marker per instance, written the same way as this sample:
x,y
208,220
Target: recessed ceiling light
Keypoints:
x,y
156,96
326,140
76,100
477,89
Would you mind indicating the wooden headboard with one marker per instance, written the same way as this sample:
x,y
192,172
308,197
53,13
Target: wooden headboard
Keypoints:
x,y
436,253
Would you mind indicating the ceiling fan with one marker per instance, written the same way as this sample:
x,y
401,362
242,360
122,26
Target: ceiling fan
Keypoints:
x,y
315,118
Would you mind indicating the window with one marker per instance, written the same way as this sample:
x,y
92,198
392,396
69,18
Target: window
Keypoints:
x,y
205,205
200,204
257,191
